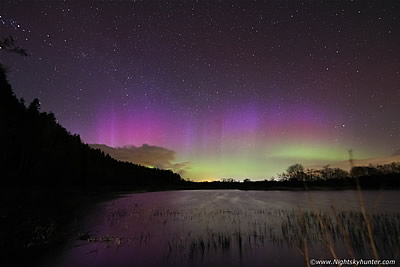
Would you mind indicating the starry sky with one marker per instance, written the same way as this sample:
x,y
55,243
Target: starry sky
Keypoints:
x,y
231,89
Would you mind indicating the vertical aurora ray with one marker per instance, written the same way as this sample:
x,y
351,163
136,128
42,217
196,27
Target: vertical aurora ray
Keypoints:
x,y
229,91
248,141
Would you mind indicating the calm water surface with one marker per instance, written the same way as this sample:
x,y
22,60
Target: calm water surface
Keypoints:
x,y
232,228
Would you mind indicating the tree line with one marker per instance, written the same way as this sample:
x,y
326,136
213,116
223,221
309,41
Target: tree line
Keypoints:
x,y
296,177
299,173
36,149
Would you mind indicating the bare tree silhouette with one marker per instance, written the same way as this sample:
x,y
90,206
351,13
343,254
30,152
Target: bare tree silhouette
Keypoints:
x,y
8,44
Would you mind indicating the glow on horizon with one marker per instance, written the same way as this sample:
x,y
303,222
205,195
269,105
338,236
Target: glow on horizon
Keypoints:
x,y
259,165
242,143
226,90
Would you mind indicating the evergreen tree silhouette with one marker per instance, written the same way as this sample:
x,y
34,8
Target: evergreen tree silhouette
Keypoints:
x,y
38,150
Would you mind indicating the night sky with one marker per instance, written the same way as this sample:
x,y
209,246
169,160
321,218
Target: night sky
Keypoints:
x,y
228,89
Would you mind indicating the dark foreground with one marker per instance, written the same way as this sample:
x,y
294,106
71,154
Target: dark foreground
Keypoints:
x,y
195,227
233,227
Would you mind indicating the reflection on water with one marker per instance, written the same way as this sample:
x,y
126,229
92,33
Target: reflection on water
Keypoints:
x,y
234,227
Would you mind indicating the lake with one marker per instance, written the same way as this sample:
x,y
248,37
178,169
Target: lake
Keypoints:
x,y
234,228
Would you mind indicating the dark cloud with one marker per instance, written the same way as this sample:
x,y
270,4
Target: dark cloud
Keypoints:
x,y
145,155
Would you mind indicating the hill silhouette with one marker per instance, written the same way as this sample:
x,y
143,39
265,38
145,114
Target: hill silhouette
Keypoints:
x,y
37,150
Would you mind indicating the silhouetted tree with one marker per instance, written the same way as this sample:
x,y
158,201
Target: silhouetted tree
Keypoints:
x,y
34,106
38,150
358,171
337,173
296,171
326,172
228,180
8,44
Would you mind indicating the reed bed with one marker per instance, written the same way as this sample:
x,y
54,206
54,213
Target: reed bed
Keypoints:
x,y
189,235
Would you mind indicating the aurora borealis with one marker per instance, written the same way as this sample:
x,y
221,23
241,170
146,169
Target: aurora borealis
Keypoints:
x,y
235,89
